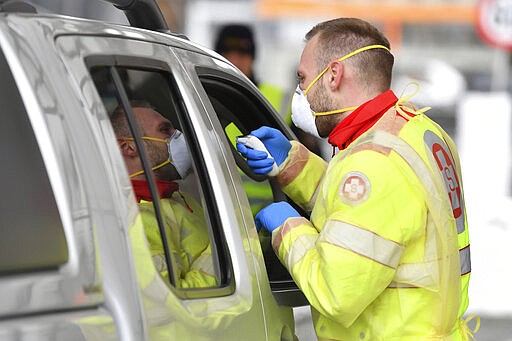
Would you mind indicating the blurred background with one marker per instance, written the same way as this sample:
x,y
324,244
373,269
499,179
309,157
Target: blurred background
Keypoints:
x,y
459,51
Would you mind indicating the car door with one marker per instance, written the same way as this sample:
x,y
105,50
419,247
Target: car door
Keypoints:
x,y
241,108
115,71
58,211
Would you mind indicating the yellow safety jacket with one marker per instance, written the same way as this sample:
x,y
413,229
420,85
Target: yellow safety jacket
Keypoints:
x,y
187,237
166,316
382,257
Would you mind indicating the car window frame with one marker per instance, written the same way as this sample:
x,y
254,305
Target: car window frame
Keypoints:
x,y
285,290
222,260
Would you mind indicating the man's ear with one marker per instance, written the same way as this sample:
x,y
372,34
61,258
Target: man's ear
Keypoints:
x,y
128,148
335,74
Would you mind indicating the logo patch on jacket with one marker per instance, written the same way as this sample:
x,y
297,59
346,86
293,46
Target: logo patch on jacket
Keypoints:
x,y
354,188
446,164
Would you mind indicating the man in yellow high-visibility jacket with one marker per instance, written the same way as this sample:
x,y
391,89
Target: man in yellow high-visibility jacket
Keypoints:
x,y
182,217
385,254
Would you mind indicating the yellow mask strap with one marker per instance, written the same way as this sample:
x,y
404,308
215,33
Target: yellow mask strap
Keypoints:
x,y
153,169
144,138
337,111
403,102
150,139
369,47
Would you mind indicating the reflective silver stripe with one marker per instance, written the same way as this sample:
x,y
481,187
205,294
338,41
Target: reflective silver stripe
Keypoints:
x,y
412,275
400,285
159,262
415,273
362,242
465,260
300,247
205,264
308,207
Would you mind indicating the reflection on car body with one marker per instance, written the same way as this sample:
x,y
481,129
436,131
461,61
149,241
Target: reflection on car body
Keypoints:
x,y
75,261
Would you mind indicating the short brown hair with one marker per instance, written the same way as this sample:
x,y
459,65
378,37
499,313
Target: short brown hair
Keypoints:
x,y
119,121
341,36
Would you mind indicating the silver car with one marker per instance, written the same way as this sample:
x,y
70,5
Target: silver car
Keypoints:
x,y
75,260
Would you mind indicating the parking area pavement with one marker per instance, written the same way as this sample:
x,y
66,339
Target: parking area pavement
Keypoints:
x,y
495,329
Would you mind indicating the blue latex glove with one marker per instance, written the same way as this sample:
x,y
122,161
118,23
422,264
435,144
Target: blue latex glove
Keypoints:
x,y
257,160
274,215
276,143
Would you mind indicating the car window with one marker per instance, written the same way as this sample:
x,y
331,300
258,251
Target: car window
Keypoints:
x,y
240,111
31,232
168,179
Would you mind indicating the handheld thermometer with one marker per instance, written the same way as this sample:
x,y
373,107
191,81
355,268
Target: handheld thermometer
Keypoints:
x,y
256,144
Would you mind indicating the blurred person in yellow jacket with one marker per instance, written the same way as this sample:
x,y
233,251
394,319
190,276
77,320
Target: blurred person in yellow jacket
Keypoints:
x,y
385,253
182,216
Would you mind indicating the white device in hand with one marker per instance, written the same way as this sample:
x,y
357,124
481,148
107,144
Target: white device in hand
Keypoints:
x,y
256,144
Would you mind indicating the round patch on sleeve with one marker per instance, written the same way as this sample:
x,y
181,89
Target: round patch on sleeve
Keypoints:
x,y
354,188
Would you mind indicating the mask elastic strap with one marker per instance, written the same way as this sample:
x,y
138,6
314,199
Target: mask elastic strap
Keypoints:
x,y
403,101
153,169
369,47
150,139
337,111
144,138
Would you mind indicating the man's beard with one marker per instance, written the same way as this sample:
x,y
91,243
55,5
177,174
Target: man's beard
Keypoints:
x,y
320,101
158,153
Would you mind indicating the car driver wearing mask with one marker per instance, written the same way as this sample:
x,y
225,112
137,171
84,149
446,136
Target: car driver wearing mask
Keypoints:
x,y
182,216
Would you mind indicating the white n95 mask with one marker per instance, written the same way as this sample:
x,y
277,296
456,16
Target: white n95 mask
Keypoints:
x,y
179,154
302,115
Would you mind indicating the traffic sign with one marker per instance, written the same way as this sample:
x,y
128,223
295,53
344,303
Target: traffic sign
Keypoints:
x,y
494,22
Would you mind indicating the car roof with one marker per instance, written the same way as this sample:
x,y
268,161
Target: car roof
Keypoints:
x,y
58,25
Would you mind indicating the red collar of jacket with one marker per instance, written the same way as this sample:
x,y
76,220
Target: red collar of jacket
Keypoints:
x,y
361,119
165,189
